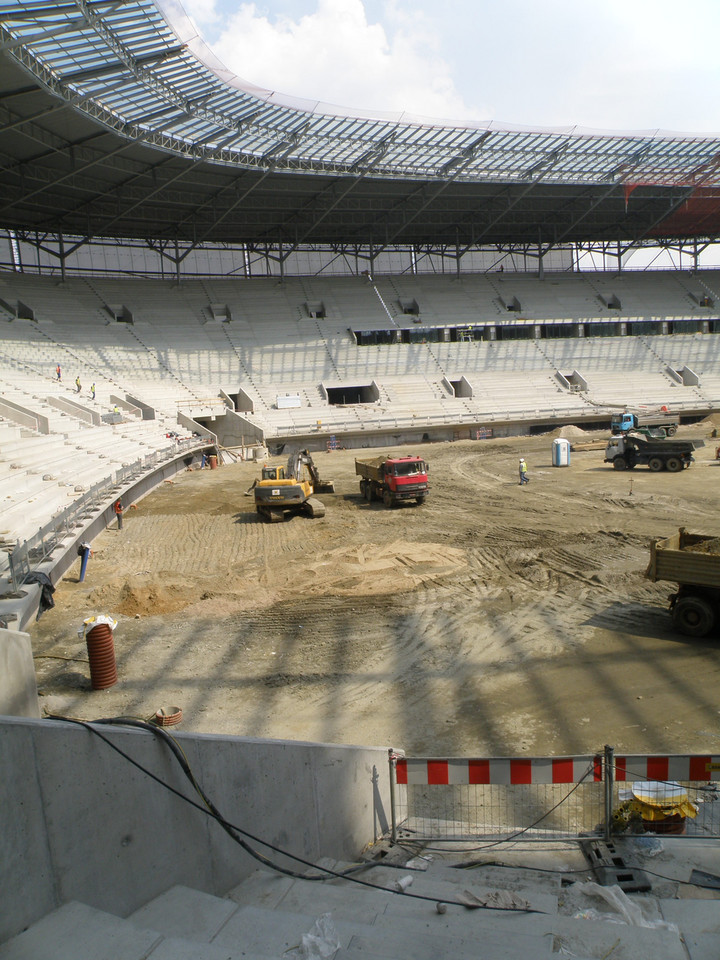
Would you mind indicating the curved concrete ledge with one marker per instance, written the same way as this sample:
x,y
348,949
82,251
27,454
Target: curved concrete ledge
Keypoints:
x,y
18,610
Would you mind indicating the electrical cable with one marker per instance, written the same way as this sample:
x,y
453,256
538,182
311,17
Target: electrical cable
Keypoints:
x,y
237,833
550,870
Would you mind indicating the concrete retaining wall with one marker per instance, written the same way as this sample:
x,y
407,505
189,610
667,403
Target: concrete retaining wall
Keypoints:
x,y
18,689
78,821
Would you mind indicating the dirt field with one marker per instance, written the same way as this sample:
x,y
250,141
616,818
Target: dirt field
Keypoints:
x,y
493,619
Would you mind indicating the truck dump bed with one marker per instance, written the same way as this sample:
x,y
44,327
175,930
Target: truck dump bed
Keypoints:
x,y
686,558
371,469
648,445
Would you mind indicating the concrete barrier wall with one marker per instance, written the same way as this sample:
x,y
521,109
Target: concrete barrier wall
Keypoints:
x,y
234,430
77,410
78,821
18,689
24,416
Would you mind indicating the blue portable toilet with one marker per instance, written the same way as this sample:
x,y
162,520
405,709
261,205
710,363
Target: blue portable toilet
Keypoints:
x,y
561,452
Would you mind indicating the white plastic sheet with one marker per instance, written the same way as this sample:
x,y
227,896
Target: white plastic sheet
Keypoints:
x,y
625,910
321,943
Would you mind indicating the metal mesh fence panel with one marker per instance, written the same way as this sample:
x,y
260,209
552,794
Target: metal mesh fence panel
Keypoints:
x,y
501,812
500,799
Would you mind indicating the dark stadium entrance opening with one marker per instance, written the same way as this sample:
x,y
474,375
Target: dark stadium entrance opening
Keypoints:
x,y
423,334
362,393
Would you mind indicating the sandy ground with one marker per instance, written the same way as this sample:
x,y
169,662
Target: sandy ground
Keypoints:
x,y
494,619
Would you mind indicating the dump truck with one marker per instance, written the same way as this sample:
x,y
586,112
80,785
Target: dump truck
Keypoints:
x,y
393,479
658,425
283,492
692,561
627,451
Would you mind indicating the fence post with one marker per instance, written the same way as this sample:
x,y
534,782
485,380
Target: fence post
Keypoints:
x,y
609,773
392,760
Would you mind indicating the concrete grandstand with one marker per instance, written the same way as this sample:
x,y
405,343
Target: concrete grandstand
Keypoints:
x,y
231,270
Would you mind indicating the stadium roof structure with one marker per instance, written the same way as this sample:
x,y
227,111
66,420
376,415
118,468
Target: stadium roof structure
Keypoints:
x,y
116,124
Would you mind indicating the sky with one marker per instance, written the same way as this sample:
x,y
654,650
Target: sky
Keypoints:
x,y
626,65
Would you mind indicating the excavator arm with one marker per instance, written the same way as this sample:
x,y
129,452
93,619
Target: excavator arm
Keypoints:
x,y
303,459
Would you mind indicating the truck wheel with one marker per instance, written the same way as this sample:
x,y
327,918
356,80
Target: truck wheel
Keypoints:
x,y
671,431
655,464
368,491
674,464
388,499
363,489
693,616
619,464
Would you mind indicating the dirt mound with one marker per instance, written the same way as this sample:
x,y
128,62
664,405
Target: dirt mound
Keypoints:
x,y
570,432
140,596
712,420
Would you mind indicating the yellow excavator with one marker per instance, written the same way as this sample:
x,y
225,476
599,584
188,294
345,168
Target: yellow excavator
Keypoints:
x,y
283,492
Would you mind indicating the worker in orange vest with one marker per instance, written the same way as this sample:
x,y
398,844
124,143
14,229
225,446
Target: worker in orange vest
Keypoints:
x,y
119,513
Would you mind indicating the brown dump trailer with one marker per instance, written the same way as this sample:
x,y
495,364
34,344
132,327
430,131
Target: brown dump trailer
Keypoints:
x,y
692,561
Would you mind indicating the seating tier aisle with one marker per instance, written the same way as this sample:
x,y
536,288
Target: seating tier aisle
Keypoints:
x,y
176,347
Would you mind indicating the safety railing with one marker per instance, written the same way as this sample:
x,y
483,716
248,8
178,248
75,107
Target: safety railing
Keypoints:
x,y
553,798
30,554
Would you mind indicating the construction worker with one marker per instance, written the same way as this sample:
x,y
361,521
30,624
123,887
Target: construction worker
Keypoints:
x,y
523,471
119,513
78,385
92,391
58,372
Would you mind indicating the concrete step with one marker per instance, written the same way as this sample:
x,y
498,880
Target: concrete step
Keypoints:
x,y
699,921
358,902
274,932
447,885
174,949
78,932
185,913
600,939
464,935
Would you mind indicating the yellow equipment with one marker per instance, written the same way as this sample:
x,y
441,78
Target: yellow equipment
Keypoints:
x,y
283,492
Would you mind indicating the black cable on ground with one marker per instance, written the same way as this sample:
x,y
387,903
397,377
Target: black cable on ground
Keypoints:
x,y
237,833
474,864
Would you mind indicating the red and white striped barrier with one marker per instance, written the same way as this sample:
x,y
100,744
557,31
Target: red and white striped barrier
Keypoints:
x,y
682,769
505,770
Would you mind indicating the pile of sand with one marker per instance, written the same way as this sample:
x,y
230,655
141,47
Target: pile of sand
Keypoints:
x,y
712,420
141,596
569,432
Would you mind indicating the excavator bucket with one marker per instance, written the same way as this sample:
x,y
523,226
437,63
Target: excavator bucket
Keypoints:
x,y
324,486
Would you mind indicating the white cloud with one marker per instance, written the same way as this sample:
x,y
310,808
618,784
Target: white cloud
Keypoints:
x,y
334,55
615,64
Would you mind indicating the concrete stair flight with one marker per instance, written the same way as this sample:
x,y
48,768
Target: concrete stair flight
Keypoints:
x,y
270,915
